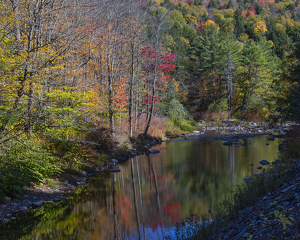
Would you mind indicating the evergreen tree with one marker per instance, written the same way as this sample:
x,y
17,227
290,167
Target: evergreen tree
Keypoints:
x,y
210,55
230,4
259,9
239,25
205,16
230,49
213,4
198,2
288,102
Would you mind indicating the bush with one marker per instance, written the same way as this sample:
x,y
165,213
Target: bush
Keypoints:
x,y
102,139
172,129
22,165
175,109
185,125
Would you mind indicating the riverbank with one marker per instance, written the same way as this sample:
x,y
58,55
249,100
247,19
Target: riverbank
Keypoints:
x,y
78,171
61,187
267,207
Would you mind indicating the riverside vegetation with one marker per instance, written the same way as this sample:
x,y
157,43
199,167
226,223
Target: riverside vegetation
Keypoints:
x,y
82,81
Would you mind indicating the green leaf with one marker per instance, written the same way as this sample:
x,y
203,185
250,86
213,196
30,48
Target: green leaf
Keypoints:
x,y
276,213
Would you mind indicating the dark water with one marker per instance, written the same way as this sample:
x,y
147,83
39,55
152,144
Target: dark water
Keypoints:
x,y
150,194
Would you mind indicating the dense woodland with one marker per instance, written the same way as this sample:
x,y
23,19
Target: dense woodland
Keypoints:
x,y
77,73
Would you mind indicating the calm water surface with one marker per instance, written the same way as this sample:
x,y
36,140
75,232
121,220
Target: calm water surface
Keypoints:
x,y
150,194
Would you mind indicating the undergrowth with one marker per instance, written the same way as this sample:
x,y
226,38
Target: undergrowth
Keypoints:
x,y
24,163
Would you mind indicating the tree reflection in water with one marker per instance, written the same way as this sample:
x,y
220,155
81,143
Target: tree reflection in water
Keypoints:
x,y
149,195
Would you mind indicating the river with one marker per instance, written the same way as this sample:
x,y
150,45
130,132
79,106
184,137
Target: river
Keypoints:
x,y
150,194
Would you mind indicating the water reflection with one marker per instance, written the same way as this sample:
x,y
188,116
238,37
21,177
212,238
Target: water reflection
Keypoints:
x,y
150,193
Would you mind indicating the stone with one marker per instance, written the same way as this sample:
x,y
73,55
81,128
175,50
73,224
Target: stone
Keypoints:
x,y
63,197
7,198
84,173
5,220
24,209
251,164
152,151
48,202
80,183
259,167
114,160
13,218
56,199
247,179
37,204
115,170
264,162
271,138
8,215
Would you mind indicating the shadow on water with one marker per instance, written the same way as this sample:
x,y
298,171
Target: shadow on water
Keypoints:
x,y
149,195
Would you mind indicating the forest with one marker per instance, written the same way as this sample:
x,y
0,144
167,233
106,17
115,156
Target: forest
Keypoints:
x,y
79,78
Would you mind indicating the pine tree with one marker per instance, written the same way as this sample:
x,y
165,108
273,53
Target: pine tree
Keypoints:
x,y
198,2
239,26
288,102
211,55
213,4
230,4
230,49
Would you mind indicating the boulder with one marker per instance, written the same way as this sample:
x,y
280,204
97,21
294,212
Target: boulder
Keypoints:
x,y
24,209
264,162
152,151
56,199
7,198
259,167
271,138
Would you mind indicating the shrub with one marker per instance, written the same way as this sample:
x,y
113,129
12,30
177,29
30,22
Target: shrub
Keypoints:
x,y
101,138
172,129
175,109
22,165
185,125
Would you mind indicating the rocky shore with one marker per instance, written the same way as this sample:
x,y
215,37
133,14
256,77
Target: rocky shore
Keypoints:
x,y
57,191
275,215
